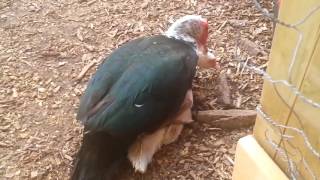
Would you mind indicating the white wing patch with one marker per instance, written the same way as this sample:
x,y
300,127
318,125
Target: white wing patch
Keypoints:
x,y
138,105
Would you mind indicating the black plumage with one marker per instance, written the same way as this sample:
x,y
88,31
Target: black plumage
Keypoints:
x,y
134,91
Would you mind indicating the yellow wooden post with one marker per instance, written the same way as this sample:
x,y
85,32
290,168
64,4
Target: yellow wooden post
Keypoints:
x,y
253,163
283,104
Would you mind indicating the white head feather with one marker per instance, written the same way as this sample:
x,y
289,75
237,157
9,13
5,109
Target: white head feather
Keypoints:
x,y
175,32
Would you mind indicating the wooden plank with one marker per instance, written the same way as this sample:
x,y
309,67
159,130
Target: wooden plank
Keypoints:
x,y
228,119
307,119
253,163
290,110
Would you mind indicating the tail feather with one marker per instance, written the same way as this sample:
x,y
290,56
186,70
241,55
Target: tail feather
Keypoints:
x,y
99,157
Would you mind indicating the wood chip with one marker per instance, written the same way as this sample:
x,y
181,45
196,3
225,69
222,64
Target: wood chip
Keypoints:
x,y
224,91
5,145
250,47
14,92
79,35
33,174
238,23
61,63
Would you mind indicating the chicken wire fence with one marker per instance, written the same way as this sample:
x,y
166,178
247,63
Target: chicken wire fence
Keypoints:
x,y
292,169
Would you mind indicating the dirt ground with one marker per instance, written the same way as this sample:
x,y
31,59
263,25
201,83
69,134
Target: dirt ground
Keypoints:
x,y
45,44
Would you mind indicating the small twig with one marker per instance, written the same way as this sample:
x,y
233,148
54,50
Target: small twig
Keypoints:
x,y
214,129
85,70
229,159
244,66
91,2
50,54
7,101
222,25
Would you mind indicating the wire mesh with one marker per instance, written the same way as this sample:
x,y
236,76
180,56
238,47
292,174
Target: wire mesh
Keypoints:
x,y
280,128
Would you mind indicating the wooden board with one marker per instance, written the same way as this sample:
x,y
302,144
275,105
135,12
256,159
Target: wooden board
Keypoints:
x,y
288,109
253,163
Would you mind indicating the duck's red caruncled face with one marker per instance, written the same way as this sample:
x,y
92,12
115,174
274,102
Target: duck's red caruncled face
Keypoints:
x,y
204,32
